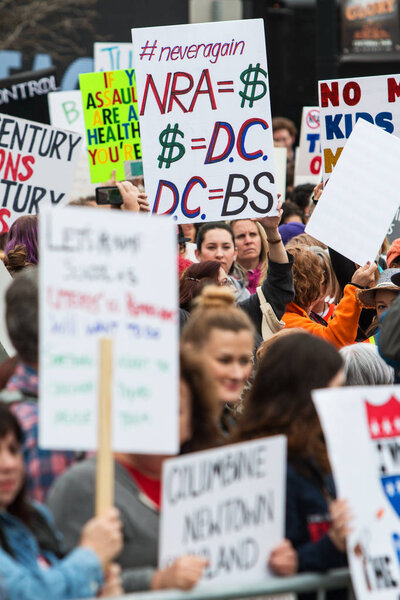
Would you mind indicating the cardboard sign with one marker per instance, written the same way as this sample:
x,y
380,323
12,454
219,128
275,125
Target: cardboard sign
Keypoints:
x,y
361,198
66,111
205,120
112,56
37,164
343,102
111,120
94,283
362,430
308,156
227,505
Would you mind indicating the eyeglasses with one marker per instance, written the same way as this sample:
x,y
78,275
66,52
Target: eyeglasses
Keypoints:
x,y
225,282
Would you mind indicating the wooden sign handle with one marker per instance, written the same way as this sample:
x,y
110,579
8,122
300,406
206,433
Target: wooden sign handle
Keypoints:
x,y
105,460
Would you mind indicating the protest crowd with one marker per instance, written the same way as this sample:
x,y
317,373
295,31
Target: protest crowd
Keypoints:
x,y
267,314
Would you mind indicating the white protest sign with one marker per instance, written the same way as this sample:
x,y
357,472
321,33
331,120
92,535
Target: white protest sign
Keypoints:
x,y
205,120
280,160
5,280
227,505
112,56
37,164
95,282
308,156
362,430
344,101
361,197
66,111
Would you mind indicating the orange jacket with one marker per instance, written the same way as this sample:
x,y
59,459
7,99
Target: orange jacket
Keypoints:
x,y
341,329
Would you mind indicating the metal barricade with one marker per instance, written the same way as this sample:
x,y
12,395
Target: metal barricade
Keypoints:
x,y
306,582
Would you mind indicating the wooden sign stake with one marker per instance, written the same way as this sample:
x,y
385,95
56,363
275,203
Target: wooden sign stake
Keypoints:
x,y
105,460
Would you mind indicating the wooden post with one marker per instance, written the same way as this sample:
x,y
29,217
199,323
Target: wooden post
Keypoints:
x,y
105,460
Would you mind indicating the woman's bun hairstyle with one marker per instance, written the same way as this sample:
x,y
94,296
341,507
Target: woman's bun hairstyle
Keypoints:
x,y
16,259
214,296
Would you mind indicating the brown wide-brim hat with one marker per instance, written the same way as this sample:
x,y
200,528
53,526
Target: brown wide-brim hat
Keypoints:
x,y
385,282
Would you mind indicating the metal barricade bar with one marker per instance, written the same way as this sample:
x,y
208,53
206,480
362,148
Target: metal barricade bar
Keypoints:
x,y
306,582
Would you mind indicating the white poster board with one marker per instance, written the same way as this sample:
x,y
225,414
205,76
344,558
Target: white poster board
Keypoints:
x,y
362,430
112,56
37,164
205,120
227,505
66,111
308,155
361,197
280,160
95,282
343,102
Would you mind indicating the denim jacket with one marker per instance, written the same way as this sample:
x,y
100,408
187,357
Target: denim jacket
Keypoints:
x,y
79,575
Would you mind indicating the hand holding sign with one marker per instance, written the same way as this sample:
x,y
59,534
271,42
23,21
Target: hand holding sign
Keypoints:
x,y
103,535
341,516
184,573
283,559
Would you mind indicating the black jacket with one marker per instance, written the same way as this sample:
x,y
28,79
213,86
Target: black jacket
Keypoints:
x,y
278,289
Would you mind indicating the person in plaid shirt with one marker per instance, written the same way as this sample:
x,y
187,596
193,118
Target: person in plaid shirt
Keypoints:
x,y
42,466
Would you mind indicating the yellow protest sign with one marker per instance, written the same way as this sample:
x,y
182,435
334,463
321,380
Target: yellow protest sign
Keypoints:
x,y
111,122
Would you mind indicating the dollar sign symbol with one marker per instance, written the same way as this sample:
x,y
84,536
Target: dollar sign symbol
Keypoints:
x,y
170,146
252,83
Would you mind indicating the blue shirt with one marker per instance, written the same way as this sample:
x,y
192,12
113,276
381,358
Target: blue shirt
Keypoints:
x,y
79,575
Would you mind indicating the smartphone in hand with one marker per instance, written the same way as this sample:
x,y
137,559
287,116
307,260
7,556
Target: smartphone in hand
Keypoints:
x,y
108,195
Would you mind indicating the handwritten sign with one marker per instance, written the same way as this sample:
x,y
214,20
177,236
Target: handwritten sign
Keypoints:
x,y
66,111
37,164
308,158
205,120
361,198
227,505
95,283
111,120
362,430
112,56
343,102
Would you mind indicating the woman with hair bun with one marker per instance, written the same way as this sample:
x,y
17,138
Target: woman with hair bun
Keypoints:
x,y
223,335
16,260
25,231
